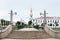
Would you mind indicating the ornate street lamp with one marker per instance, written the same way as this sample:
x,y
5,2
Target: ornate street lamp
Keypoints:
x,y
11,16
44,16
56,23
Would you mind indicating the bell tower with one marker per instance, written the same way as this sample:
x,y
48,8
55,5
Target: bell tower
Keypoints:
x,y
31,14
31,17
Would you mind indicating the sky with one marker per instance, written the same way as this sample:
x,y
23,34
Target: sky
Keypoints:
x,y
22,7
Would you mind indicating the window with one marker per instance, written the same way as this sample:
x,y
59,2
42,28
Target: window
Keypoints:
x,y
41,21
38,21
48,21
58,21
53,21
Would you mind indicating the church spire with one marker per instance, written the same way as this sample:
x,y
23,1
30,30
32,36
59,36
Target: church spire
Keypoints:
x,y
30,12
31,17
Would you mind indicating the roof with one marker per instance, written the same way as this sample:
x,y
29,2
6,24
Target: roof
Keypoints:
x,y
48,17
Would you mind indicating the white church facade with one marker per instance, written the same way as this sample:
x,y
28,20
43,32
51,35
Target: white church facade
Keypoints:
x,y
50,20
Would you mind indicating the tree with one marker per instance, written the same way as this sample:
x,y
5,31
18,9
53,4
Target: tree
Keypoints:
x,y
2,21
25,25
22,23
30,22
18,23
36,26
8,22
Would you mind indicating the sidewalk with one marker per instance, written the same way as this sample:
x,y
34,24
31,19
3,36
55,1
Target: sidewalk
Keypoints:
x,y
32,39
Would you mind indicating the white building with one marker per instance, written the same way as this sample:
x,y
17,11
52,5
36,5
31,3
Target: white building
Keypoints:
x,y
49,19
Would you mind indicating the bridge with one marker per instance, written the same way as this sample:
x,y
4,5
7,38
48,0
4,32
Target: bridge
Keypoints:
x,y
47,32
8,32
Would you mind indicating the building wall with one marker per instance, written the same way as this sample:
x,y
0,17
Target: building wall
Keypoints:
x,y
50,20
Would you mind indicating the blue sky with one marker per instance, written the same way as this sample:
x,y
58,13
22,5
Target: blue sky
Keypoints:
x,y
22,7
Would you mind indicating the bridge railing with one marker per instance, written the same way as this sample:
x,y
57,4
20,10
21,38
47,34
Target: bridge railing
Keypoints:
x,y
6,31
52,32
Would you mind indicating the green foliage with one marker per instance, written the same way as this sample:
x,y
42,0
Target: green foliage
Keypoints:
x,y
30,22
4,22
25,25
50,24
36,26
42,24
18,23
56,28
20,26
7,22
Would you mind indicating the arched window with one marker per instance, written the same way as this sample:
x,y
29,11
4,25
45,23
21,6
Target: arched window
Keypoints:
x,y
53,21
48,21
58,21
38,21
41,21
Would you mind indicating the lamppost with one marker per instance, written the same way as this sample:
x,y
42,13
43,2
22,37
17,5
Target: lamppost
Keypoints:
x,y
44,16
56,23
11,16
